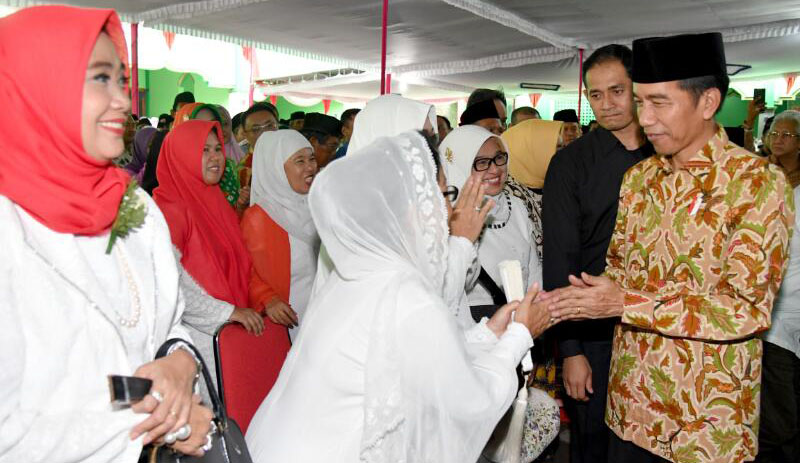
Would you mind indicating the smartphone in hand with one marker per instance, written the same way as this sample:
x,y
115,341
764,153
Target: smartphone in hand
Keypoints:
x,y
760,96
127,390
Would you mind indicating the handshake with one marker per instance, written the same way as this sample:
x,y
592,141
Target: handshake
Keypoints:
x,y
587,297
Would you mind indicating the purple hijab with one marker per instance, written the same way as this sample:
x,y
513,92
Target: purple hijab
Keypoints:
x,y
140,142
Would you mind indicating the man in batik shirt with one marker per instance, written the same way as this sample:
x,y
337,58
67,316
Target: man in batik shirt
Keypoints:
x,y
694,264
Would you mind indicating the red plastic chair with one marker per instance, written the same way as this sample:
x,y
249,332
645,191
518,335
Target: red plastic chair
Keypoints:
x,y
248,366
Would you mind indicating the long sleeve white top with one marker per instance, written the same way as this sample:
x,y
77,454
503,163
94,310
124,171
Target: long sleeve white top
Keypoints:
x,y
61,299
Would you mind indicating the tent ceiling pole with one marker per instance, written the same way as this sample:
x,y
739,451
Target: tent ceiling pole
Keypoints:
x,y
383,45
135,69
580,81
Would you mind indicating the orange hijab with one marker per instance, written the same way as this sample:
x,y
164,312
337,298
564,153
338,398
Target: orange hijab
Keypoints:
x,y
184,114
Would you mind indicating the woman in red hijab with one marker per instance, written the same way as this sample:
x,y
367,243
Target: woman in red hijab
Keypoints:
x,y
205,232
88,285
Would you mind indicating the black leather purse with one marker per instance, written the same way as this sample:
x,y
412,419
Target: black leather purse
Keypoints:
x,y
228,442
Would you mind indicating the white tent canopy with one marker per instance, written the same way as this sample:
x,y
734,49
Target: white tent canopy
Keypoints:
x,y
441,49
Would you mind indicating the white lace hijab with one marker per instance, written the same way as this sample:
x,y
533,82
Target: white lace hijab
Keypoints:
x,y
384,223
271,189
387,116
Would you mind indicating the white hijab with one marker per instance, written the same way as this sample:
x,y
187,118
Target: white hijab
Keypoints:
x,y
271,189
384,223
458,151
387,116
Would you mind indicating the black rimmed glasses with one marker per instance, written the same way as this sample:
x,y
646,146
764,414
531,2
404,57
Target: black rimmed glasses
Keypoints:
x,y
451,193
482,164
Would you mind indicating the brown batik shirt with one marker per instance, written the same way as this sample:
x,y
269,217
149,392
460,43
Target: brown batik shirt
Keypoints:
x,y
700,253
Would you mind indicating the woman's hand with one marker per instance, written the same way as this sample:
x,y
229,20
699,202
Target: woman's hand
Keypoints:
x,y
532,312
173,380
200,422
469,215
244,196
280,313
249,318
500,320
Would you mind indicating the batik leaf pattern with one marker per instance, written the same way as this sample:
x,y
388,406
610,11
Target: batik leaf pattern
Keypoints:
x,y
700,253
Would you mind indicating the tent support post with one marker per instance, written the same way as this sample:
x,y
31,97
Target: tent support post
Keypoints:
x,y
251,92
135,69
383,46
580,81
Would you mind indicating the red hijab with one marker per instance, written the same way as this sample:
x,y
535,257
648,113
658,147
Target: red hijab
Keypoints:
x,y
44,52
202,223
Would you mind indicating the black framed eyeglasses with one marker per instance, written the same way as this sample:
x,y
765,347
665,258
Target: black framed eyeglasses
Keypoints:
x,y
451,192
482,164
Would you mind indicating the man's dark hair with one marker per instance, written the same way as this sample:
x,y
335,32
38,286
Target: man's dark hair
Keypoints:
x,y
164,121
446,122
697,85
236,121
484,94
143,122
526,110
608,53
259,107
349,114
183,97
322,137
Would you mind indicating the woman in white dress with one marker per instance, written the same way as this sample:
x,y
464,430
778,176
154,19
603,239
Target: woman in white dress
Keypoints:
x,y
380,371
474,151
390,115
80,299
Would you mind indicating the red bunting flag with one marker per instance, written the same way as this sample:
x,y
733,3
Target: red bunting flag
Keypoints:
x,y
169,37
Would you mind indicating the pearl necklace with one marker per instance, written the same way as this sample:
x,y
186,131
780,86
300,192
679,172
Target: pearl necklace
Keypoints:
x,y
497,226
134,291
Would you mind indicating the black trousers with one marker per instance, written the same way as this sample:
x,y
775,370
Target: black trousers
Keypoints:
x,y
621,451
779,434
589,435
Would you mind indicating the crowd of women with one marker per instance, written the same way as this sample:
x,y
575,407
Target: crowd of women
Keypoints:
x,y
384,272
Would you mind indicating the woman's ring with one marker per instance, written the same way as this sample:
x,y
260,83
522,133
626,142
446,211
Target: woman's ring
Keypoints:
x,y
170,438
209,443
477,208
183,432
157,395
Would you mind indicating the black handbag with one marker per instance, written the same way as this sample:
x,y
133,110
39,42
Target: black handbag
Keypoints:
x,y
498,297
228,442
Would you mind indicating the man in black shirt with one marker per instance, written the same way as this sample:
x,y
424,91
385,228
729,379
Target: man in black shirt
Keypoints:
x,y
581,192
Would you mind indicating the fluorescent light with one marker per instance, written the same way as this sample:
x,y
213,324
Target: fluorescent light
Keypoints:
x,y
529,86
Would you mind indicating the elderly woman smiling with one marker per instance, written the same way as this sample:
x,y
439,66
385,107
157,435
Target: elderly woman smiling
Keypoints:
x,y
278,229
